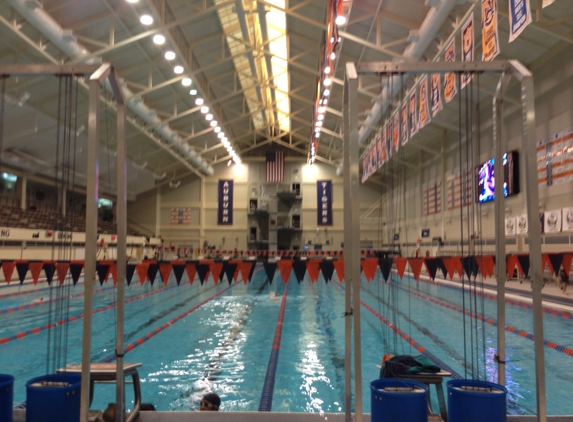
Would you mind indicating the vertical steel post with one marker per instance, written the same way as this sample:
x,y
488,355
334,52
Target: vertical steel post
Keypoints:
x,y
535,271
500,222
352,225
92,190
121,210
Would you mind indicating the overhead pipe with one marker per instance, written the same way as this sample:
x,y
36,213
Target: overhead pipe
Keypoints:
x,y
66,42
428,30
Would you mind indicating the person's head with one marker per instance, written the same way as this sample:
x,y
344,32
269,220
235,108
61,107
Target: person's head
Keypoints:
x,y
210,402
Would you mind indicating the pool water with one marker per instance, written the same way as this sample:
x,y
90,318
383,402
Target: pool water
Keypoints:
x,y
224,345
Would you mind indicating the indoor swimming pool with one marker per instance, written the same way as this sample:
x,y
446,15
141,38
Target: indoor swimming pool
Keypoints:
x,y
223,341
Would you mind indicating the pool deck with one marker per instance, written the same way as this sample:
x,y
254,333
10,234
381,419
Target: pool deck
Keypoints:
x,y
20,416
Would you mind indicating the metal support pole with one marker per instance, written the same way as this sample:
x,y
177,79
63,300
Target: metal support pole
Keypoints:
x,y
532,192
121,258
499,147
352,233
92,189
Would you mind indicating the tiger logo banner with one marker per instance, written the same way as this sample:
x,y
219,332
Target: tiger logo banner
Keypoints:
x,y
424,117
489,33
450,86
467,48
436,94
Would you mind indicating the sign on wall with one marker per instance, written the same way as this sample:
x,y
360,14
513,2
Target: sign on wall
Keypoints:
x,y
519,17
180,216
225,211
552,221
324,204
567,219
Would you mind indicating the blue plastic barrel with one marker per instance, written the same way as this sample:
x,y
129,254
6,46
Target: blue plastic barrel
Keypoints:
x,y
6,397
398,399
54,403
476,401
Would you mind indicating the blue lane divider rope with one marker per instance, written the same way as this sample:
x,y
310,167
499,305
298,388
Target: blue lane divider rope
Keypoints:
x,y
269,384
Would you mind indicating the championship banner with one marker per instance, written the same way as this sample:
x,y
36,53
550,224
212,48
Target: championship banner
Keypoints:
x,y
396,131
384,145
225,212
519,17
404,118
436,94
379,149
413,113
489,33
180,216
389,138
522,226
424,117
450,86
510,226
324,209
467,48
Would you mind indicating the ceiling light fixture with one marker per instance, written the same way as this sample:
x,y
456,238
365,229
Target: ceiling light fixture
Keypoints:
x,y
204,109
193,92
340,20
132,1
209,117
159,39
214,123
221,135
326,92
179,69
217,129
170,55
186,82
146,19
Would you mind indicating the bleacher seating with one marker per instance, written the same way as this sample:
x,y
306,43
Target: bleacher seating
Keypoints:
x,y
42,220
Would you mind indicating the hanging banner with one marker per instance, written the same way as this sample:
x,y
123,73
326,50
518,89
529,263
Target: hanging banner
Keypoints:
x,y
450,86
413,113
424,117
510,226
225,214
489,33
436,94
519,17
555,159
547,3
552,221
567,219
396,132
380,153
180,216
522,226
324,208
384,145
467,48
404,119
389,137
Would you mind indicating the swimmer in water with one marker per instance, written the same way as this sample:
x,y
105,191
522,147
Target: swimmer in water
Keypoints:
x,y
274,296
41,300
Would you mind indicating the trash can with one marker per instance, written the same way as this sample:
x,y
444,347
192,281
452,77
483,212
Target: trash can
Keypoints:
x,y
476,401
6,397
398,399
53,398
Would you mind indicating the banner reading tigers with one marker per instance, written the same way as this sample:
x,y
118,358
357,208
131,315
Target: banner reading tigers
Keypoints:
x,y
436,94
413,113
468,48
424,117
450,86
404,118
519,17
489,34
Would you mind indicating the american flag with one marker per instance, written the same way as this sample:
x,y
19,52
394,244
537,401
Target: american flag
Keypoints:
x,y
275,166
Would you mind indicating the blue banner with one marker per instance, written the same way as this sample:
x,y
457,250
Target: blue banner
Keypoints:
x,y
225,213
324,208
519,17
